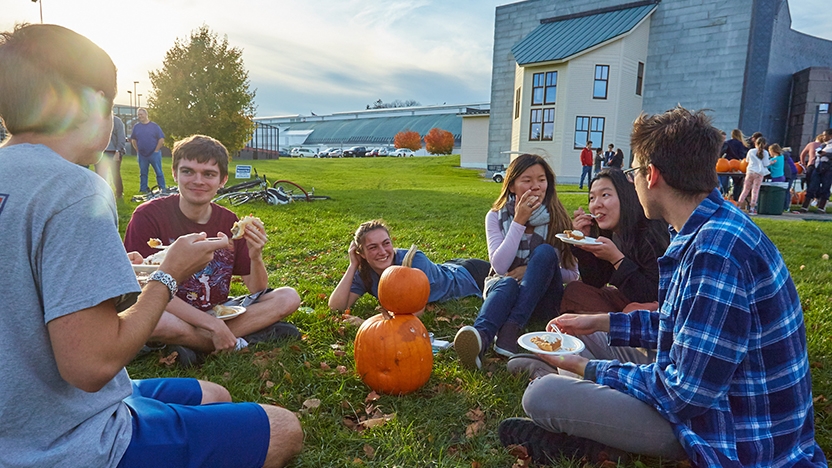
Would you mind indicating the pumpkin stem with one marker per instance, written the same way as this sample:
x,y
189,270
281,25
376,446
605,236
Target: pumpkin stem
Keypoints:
x,y
408,257
385,314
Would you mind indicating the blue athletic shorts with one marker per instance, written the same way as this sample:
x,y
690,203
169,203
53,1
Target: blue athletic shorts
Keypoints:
x,y
171,428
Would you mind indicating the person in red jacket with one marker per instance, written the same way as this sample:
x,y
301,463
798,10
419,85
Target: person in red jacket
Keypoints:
x,y
586,163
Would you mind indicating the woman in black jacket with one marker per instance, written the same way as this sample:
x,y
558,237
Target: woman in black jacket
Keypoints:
x,y
626,257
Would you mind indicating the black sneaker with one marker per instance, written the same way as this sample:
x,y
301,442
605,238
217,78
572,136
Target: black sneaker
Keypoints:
x,y
149,347
274,332
187,357
544,446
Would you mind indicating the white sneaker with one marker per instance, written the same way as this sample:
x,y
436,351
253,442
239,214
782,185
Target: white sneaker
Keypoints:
x,y
468,346
814,202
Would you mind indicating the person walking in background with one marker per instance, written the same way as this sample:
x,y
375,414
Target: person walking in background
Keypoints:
x,y
758,162
735,148
147,138
807,159
110,163
819,185
600,162
609,154
586,164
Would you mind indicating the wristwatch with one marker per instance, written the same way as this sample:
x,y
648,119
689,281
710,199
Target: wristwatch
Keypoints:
x,y
165,279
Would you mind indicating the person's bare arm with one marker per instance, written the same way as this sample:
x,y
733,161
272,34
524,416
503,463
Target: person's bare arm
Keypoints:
x,y
342,298
135,145
256,238
92,345
159,144
222,337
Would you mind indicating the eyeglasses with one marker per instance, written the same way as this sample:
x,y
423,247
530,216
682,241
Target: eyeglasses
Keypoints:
x,y
630,173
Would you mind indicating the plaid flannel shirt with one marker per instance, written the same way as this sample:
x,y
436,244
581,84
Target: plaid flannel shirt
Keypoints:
x,y
732,372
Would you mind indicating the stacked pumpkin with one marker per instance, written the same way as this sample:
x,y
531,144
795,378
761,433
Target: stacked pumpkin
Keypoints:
x,y
393,354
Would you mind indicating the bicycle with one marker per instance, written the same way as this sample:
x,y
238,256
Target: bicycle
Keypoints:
x,y
155,192
280,193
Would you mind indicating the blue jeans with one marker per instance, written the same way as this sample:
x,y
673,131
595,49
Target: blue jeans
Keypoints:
x,y
507,300
155,160
586,171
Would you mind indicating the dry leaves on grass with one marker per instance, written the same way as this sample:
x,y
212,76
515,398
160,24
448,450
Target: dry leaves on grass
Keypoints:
x,y
170,359
477,416
523,460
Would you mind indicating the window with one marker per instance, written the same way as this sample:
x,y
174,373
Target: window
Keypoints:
x,y
534,129
551,88
602,76
589,129
639,78
517,104
537,89
548,124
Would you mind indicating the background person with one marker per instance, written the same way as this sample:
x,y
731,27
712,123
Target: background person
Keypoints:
x,y
147,138
200,167
600,162
617,160
758,162
586,164
75,318
530,264
731,385
371,252
110,163
735,148
609,154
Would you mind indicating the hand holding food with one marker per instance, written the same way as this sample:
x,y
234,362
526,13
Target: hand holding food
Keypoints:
x,y
582,221
238,230
189,254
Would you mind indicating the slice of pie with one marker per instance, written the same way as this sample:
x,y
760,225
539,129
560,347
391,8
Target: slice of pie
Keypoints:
x,y
545,344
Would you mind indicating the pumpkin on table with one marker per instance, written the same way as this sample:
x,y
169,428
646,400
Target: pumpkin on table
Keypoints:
x,y
722,165
393,354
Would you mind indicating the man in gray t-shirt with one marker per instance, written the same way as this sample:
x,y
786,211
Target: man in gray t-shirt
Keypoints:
x,y
72,315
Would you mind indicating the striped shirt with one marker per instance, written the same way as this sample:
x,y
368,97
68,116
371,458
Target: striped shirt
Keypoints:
x,y
732,372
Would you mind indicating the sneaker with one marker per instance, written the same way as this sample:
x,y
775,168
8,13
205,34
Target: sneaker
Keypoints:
x,y
506,344
531,364
802,210
274,332
149,347
468,346
188,357
544,446
752,212
814,202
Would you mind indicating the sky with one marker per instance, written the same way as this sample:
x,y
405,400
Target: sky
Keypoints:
x,y
316,56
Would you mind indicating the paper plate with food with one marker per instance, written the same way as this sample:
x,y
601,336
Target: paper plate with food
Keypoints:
x,y
156,243
142,268
223,312
552,343
577,238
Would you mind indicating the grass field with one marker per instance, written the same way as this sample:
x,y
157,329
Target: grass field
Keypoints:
x,y
452,420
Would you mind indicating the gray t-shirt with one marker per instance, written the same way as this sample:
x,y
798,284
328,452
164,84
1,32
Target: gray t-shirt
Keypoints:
x,y
61,253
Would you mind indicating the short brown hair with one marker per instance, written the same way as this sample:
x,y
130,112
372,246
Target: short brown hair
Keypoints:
x,y
682,145
48,77
203,149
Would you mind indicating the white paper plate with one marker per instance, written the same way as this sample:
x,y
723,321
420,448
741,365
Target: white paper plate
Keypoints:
x,y
585,241
570,345
145,268
237,311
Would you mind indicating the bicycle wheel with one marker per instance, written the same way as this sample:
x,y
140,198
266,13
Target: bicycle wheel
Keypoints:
x,y
292,189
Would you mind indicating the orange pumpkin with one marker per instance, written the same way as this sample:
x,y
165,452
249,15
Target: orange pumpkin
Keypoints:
x,y
743,165
800,168
393,355
798,198
404,290
735,165
722,165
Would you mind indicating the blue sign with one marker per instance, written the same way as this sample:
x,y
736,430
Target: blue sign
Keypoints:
x,y
243,172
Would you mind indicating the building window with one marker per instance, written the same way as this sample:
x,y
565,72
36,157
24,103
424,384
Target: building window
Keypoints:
x,y
537,89
639,78
551,88
548,124
589,129
517,104
534,128
602,77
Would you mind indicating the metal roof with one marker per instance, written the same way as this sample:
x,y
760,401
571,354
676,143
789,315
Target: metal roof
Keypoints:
x,y
377,130
558,39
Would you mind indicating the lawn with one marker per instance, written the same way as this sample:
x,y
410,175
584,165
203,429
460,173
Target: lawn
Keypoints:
x,y
452,420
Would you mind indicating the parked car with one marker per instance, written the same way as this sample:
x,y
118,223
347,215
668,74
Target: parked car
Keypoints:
x,y
382,152
324,153
355,152
402,153
302,153
282,153
335,153
371,153
499,176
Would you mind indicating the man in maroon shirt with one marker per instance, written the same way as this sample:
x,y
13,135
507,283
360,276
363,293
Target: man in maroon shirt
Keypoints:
x,y
586,164
200,167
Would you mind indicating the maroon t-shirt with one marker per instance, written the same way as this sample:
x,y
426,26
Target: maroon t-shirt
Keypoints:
x,y
162,219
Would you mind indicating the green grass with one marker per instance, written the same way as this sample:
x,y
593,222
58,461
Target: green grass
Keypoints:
x,y
438,206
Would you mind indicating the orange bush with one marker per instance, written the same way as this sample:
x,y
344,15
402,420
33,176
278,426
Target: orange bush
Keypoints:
x,y
408,139
439,141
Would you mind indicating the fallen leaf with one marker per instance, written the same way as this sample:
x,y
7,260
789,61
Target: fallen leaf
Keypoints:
x,y
170,359
341,369
339,353
802,267
474,429
307,364
336,346
295,348
816,365
265,375
357,461
369,451
475,414
375,422
321,296
312,403
325,366
372,396
476,464
442,319
353,320
269,384
350,423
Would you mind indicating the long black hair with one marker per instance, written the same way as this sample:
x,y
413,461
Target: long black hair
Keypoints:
x,y
633,225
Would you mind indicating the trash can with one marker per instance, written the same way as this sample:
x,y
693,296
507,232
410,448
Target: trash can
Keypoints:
x,y
772,198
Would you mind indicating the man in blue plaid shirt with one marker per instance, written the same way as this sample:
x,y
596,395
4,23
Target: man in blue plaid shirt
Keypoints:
x,y
731,384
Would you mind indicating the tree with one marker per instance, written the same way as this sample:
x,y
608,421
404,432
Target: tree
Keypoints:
x,y
439,141
379,104
203,88
408,139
